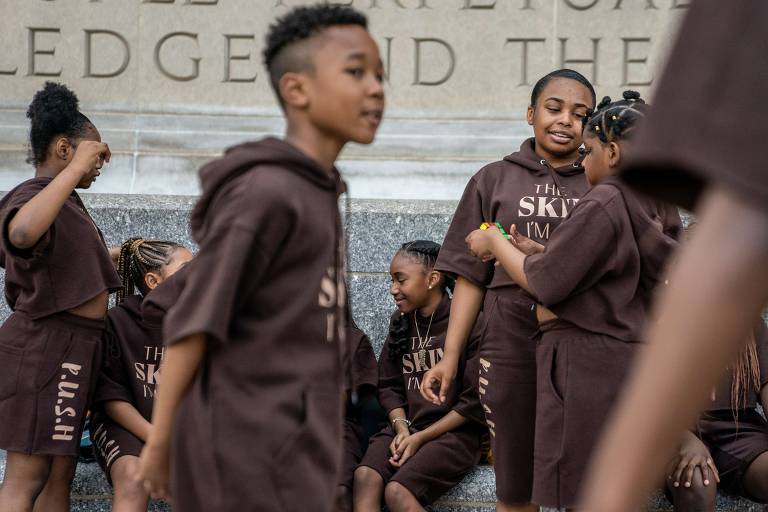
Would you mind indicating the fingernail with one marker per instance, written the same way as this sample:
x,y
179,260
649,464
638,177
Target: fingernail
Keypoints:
x,y
706,482
687,484
676,484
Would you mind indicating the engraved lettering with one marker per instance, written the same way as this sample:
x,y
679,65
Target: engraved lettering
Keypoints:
x,y
629,59
230,57
34,51
524,42
566,62
418,45
194,73
89,73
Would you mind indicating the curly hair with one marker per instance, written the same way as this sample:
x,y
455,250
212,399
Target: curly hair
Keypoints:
x,y
53,112
612,121
298,25
424,252
137,258
561,73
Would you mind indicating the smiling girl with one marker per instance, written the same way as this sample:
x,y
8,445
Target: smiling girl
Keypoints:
x,y
532,189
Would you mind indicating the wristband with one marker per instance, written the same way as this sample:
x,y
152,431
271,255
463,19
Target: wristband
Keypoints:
x,y
486,225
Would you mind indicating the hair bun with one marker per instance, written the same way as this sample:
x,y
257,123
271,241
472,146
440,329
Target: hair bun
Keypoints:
x,y
55,106
631,95
603,103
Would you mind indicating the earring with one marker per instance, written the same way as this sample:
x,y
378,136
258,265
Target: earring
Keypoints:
x,y
430,287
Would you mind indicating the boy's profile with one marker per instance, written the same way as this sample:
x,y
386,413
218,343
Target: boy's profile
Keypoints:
x,y
250,407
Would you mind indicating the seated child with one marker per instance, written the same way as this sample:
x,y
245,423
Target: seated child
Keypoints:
x,y
426,449
730,449
134,349
364,378
594,282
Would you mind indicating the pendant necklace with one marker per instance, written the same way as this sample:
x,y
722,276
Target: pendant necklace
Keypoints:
x,y
422,354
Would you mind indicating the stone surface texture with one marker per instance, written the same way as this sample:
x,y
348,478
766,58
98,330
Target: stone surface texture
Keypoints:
x,y
170,83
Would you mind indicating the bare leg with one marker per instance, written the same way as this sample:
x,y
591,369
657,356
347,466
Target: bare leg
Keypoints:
x,y
367,490
25,477
718,287
129,495
756,477
399,499
696,498
55,494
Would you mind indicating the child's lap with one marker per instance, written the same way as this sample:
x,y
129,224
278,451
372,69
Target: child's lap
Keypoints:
x,y
112,442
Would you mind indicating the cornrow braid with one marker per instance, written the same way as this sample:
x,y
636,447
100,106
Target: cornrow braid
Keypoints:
x,y
612,121
137,258
425,252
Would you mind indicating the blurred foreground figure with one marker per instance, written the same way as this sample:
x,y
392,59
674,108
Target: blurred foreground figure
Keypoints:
x,y
701,149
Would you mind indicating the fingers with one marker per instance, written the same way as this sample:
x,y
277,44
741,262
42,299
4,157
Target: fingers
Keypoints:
x,y
689,473
714,470
430,379
679,471
445,385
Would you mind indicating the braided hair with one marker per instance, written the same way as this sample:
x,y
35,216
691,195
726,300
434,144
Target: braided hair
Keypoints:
x,y
612,121
425,252
137,258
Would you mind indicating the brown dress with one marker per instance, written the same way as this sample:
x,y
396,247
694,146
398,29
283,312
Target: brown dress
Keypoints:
x,y
443,462
130,369
597,274
262,422
708,122
525,191
49,358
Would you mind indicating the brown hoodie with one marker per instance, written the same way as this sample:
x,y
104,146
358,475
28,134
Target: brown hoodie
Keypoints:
x,y
522,189
262,420
601,266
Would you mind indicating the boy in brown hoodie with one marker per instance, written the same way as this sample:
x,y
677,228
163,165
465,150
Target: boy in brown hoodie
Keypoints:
x,y
252,377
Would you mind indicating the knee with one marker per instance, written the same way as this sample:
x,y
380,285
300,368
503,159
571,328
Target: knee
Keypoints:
x,y
696,498
398,498
366,477
123,481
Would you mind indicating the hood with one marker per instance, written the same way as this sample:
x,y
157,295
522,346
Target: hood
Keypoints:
x,y
655,243
159,301
527,158
241,158
132,306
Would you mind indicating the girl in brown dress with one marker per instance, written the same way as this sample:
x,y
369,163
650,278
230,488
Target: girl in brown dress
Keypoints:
x,y
533,189
593,283
426,449
130,371
58,274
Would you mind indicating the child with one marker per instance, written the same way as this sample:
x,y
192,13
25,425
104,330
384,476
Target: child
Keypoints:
x,y
532,189
426,449
253,365
58,274
704,144
732,437
593,282
134,346
364,380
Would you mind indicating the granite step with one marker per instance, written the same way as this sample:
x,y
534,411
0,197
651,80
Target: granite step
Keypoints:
x,y
91,493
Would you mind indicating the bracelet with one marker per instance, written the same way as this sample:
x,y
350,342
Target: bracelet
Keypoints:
x,y
408,423
485,226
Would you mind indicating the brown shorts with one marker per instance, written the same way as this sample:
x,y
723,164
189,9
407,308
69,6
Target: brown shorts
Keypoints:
x,y
111,441
437,467
508,389
734,447
48,370
351,454
580,374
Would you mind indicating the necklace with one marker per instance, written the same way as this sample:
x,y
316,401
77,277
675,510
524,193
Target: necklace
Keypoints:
x,y
422,354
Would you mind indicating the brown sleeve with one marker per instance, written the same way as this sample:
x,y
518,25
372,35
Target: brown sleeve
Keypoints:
x,y
364,366
579,252
392,392
455,259
226,263
673,224
112,383
468,404
10,209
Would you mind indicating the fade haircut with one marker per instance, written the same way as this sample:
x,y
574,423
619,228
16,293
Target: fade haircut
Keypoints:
x,y
283,55
561,73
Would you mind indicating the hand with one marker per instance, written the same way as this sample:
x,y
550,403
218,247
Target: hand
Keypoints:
x,y
406,448
522,242
153,470
400,436
480,242
693,453
89,157
440,377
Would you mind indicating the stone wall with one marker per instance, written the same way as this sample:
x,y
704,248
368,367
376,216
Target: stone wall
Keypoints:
x,y
172,82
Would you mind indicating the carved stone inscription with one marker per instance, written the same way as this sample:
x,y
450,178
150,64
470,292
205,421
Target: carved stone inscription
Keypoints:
x,y
451,55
